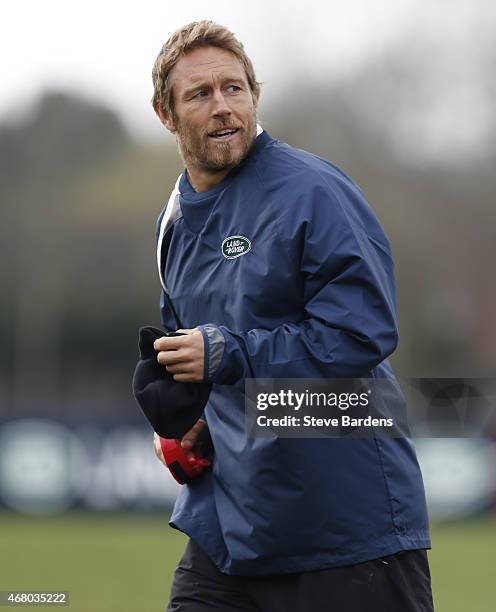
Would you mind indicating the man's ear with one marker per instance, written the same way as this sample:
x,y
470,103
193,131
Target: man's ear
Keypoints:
x,y
256,99
165,119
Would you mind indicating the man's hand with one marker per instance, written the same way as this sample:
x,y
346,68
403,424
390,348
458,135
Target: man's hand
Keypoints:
x,y
183,356
197,439
158,448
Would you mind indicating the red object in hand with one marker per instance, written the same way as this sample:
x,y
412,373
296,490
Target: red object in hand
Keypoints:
x,y
184,469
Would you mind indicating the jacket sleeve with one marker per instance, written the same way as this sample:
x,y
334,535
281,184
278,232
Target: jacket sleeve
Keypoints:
x,y
348,323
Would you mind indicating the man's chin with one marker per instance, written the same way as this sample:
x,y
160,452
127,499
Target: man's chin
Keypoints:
x,y
219,165
222,160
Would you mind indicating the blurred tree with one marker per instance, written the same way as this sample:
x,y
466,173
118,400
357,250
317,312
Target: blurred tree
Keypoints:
x,y
40,160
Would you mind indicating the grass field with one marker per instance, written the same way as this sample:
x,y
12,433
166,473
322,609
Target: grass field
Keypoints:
x,y
125,563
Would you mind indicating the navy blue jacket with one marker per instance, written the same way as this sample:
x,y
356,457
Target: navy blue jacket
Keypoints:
x,y
311,295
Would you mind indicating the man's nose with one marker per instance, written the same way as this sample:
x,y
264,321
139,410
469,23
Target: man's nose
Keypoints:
x,y
220,105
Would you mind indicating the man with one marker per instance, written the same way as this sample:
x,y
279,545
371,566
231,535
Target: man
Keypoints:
x,y
274,266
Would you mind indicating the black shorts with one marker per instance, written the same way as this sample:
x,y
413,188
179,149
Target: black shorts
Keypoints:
x,y
396,583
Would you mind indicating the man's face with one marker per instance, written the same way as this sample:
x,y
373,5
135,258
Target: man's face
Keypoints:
x,y
214,110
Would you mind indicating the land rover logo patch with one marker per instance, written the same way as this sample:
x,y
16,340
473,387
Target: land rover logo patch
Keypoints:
x,y
235,246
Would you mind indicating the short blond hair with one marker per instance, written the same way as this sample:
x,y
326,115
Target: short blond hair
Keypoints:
x,y
192,36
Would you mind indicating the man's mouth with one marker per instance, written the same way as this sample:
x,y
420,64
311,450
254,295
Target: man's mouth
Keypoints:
x,y
223,133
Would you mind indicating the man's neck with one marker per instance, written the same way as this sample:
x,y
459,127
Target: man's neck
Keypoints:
x,y
202,180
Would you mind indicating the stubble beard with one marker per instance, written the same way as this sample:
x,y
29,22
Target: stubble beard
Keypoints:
x,y
201,152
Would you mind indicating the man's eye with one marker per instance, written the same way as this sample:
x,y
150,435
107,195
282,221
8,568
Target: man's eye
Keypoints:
x,y
200,94
234,88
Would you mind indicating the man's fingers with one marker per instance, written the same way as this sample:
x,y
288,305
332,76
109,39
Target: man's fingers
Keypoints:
x,y
169,343
193,377
184,361
172,343
181,368
172,357
190,438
